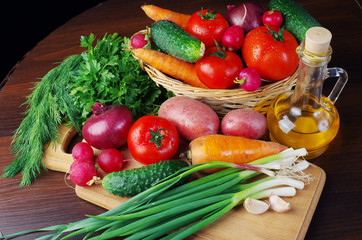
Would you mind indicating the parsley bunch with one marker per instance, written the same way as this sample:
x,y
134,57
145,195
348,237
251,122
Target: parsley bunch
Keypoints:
x,y
104,73
110,75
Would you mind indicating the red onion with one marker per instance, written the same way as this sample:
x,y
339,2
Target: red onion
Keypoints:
x,y
246,15
108,126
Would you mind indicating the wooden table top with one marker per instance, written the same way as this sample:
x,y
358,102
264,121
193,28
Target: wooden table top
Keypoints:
x,y
49,201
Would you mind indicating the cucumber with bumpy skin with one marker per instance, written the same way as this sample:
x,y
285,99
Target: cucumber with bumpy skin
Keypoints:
x,y
175,41
129,183
297,20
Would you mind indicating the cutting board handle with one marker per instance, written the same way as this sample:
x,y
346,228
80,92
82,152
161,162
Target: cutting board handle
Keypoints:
x,y
55,156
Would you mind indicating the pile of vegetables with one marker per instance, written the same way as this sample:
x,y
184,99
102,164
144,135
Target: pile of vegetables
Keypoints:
x,y
151,139
103,73
181,211
114,104
154,140
265,41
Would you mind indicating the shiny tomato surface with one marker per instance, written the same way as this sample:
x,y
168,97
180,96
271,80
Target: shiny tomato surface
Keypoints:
x,y
218,72
207,26
152,139
273,59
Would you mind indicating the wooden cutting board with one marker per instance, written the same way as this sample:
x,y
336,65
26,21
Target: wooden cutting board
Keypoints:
x,y
237,224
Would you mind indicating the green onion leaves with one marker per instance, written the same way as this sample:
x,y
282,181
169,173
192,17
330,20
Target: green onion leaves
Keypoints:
x,y
164,213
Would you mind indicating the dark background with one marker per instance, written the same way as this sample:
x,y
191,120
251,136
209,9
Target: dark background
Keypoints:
x,y
25,23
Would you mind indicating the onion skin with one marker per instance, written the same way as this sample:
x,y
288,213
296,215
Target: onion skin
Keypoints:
x,y
109,127
252,19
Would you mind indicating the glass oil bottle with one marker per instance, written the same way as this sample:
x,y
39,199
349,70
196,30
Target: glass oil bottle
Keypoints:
x,y
304,117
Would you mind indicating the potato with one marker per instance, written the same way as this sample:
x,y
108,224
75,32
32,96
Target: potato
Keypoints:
x,y
191,117
245,123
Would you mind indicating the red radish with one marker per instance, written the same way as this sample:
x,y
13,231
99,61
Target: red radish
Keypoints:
x,y
244,123
233,38
82,150
272,18
249,79
140,40
108,126
82,171
110,160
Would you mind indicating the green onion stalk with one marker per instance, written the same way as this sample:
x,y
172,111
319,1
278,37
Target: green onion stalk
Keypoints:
x,y
159,210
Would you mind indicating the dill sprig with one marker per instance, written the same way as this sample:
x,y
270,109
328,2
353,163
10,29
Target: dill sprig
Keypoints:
x,y
47,106
103,73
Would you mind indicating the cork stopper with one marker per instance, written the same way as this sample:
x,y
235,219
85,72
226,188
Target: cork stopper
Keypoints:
x,y
317,40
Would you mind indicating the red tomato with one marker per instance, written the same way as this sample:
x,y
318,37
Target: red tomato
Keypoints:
x,y
208,26
152,139
218,72
273,59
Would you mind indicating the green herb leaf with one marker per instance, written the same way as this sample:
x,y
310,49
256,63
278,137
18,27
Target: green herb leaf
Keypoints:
x,y
48,105
103,73
111,75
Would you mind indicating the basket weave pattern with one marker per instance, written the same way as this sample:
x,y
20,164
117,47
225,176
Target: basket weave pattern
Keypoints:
x,y
223,100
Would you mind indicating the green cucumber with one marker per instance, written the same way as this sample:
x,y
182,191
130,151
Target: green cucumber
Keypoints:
x,y
175,41
297,20
129,183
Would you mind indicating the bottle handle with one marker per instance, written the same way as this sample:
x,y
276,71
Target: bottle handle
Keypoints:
x,y
341,82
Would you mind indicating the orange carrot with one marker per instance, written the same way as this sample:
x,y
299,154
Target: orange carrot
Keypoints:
x,y
217,147
167,64
157,13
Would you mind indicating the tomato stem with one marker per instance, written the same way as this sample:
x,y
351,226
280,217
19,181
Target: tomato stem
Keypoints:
x,y
220,52
156,137
209,15
277,36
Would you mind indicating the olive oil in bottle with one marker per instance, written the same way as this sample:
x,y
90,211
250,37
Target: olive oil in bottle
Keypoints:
x,y
304,118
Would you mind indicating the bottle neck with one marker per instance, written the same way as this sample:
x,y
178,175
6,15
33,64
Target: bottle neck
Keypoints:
x,y
311,74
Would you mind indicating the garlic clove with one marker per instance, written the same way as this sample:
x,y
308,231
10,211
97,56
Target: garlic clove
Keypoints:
x,y
255,206
278,204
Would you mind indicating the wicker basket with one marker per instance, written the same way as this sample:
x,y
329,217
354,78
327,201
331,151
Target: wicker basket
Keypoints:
x,y
223,100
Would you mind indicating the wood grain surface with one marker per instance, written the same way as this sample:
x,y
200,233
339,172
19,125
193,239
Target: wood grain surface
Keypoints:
x,y
49,201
